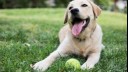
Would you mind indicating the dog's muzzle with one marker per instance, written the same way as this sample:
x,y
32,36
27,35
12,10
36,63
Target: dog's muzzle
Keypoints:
x,y
78,25
74,11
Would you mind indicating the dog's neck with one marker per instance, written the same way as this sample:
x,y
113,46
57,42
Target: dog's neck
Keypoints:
x,y
79,39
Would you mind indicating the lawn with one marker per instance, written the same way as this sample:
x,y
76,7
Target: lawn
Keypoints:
x,y
29,35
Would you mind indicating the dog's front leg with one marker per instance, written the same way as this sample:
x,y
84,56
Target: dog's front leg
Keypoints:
x,y
91,61
61,51
44,64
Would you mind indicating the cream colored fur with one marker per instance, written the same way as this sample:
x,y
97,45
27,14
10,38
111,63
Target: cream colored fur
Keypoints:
x,y
91,38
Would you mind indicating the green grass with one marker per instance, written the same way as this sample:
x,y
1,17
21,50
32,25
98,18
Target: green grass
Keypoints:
x,y
40,27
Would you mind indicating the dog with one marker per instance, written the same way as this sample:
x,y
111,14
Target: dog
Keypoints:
x,y
81,35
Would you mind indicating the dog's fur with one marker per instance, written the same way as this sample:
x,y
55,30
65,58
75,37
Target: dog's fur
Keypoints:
x,y
87,43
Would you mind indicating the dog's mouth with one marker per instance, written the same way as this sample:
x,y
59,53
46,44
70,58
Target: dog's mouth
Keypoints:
x,y
78,25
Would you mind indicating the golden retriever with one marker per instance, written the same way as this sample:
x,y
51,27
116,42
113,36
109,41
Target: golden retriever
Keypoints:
x,y
81,35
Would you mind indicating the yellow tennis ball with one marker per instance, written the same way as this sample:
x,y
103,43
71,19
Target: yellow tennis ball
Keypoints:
x,y
72,63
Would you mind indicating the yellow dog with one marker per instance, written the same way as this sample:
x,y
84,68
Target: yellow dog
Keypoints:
x,y
81,35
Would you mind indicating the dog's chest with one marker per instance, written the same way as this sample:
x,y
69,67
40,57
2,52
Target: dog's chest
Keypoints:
x,y
82,47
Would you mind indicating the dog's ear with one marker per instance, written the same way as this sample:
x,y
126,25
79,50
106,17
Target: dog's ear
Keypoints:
x,y
96,9
66,17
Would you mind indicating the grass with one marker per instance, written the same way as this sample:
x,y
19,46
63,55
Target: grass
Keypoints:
x,y
40,27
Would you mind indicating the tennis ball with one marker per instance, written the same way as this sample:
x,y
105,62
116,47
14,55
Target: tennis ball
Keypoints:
x,y
72,63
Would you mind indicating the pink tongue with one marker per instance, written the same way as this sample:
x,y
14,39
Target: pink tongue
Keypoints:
x,y
77,28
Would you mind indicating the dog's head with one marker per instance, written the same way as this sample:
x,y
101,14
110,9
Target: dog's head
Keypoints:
x,y
80,14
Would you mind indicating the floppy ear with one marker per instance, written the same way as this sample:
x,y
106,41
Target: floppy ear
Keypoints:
x,y
66,17
96,9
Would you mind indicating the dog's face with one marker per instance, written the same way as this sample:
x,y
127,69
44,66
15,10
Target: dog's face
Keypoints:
x,y
80,14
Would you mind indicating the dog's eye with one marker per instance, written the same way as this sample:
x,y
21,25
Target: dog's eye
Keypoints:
x,y
70,8
84,5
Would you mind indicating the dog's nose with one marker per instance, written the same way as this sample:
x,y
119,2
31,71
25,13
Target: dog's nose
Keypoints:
x,y
75,11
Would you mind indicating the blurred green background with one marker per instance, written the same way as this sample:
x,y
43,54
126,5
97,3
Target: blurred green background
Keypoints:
x,y
29,33
112,5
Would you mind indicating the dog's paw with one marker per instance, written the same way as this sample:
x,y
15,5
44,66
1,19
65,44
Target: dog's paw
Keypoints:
x,y
87,66
40,66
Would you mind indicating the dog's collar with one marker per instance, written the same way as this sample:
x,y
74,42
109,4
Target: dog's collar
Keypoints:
x,y
79,39
94,29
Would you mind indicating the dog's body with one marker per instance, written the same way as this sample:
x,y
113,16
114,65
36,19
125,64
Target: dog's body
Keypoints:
x,y
81,36
81,47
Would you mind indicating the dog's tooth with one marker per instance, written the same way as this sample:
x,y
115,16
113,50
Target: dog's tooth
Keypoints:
x,y
83,23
